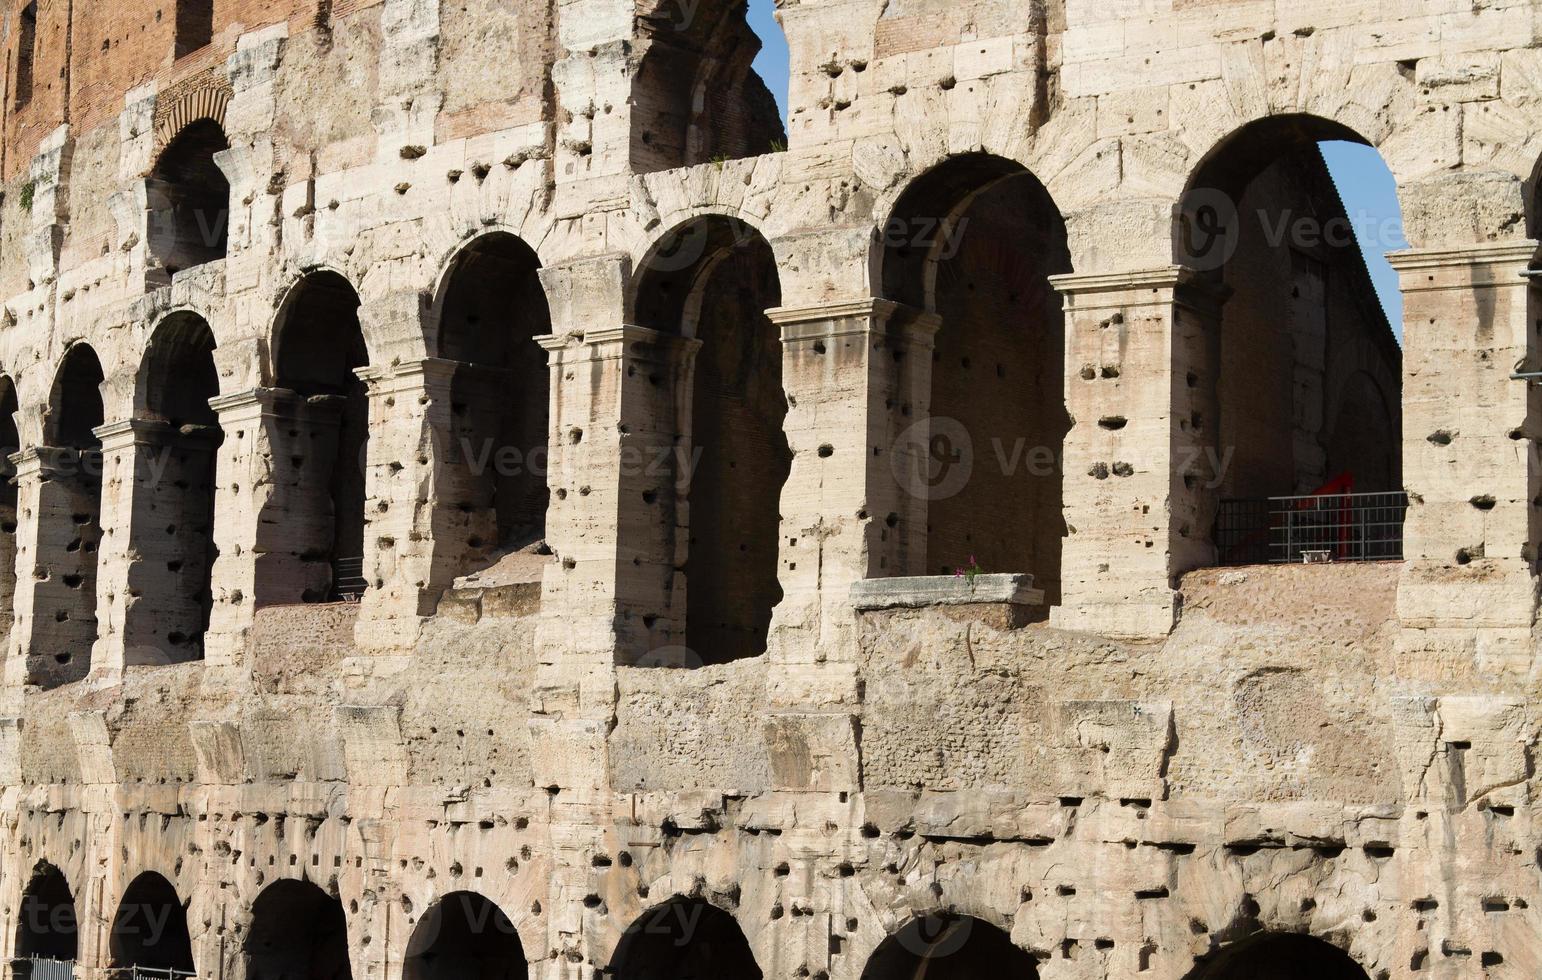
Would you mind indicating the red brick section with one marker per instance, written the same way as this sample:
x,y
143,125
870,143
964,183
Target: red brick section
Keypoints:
x,y
90,53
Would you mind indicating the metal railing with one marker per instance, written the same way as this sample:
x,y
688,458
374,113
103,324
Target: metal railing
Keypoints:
x,y
348,581
1322,527
149,973
42,968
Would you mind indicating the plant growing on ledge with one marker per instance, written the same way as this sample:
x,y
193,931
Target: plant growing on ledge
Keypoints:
x,y
969,571
26,193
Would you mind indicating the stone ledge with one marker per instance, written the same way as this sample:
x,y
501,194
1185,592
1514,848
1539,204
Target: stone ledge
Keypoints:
x,y
945,590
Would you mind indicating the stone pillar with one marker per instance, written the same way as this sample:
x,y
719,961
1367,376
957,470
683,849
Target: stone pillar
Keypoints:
x,y
1140,495
1470,448
58,496
272,506
156,545
858,383
409,434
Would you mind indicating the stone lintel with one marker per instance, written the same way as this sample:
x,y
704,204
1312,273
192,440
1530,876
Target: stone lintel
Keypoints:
x,y
871,315
1486,264
918,591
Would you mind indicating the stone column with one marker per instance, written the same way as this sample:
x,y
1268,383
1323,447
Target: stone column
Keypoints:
x,y
1140,496
58,495
156,547
410,427
1470,448
271,507
858,382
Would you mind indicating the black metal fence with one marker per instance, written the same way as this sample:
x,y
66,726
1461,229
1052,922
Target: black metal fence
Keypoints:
x,y
42,968
1327,527
348,581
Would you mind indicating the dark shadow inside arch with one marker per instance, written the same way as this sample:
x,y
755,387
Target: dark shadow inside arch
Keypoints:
x,y
713,279
1279,956
318,439
975,241
189,199
1283,329
298,932
947,947
10,444
69,509
492,309
464,936
172,526
684,939
149,930
46,926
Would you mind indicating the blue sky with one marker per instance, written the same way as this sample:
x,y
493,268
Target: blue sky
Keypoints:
x,y
1364,183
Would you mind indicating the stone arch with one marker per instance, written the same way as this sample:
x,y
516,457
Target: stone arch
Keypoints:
x,y
318,431
47,926
464,935
297,932
61,621
149,929
695,96
946,946
204,102
684,939
1280,294
188,198
171,526
974,241
1278,956
704,288
489,309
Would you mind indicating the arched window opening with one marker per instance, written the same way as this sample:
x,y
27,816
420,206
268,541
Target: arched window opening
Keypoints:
x,y
696,97
974,242
464,936
10,444
69,512
195,26
149,930
318,448
46,927
492,309
1286,464
1279,956
172,525
26,53
298,932
189,199
711,282
684,939
948,947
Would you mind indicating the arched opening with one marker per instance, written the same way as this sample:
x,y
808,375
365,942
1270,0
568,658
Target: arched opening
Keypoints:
x,y
696,97
491,310
150,929
69,512
189,199
1279,956
464,936
298,932
975,241
172,525
318,445
10,444
1292,309
710,282
948,947
684,939
46,928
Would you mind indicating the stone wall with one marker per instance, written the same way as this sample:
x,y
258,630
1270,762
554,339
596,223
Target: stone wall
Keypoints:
x,y
1094,756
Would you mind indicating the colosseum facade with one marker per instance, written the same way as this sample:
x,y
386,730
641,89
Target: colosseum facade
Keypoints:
x,y
492,498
